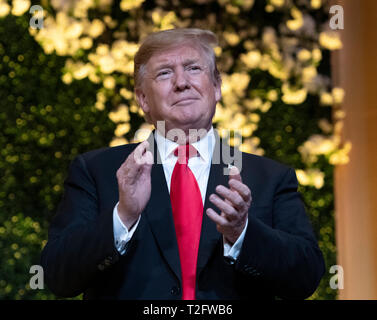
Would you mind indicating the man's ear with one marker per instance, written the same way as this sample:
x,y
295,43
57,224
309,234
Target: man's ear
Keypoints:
x,y
218,91
142,100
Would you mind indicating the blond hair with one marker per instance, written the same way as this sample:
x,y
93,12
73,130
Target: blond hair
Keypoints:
x,y
162,40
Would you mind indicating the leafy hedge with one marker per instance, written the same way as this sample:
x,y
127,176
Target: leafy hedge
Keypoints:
x,y
45,124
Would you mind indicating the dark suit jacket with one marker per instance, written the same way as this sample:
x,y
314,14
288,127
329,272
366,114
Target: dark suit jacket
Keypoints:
x,y
279,256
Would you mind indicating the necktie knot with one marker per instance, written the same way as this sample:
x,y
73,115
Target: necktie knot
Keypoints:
x,y
185,152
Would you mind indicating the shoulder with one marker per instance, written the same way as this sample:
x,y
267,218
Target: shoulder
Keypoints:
x,y
108,152
264,167
249,162
267,177
105,158
263,162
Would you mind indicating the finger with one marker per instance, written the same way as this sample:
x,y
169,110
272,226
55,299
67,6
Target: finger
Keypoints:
x,y
139,152
224,207
234,173
136,154
232,196
216,218
148,157
131,167
241,188
148,160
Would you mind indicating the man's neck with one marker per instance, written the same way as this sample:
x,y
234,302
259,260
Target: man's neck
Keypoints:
x,y
205,145
181,137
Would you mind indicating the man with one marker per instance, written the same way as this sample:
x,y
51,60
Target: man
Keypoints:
x,y
172,223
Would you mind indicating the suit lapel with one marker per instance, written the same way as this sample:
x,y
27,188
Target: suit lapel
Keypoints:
x,y
159,214
209,235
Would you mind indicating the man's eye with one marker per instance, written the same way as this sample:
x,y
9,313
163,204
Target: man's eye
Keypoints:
x,y
194,69
163,74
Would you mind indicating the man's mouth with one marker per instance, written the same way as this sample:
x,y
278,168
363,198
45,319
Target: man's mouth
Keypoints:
x,y
184,101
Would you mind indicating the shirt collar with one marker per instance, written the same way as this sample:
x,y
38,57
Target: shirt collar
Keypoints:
x,y
204,146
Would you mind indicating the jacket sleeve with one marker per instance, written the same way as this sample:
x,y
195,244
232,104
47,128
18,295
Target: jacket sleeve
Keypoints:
x,y
80,241
284,257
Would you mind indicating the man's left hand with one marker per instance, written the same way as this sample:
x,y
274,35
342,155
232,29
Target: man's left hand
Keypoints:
x,y
234,207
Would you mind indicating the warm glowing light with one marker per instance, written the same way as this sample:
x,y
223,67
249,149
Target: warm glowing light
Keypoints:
x,y
330,40
19,7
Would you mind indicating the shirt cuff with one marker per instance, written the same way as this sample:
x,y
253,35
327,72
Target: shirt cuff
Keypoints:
x,y
232,252
121,234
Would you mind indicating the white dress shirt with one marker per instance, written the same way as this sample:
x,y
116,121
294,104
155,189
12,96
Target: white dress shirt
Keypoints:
x,y
200,167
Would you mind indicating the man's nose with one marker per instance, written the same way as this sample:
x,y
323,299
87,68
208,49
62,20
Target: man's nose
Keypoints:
x,y
181,81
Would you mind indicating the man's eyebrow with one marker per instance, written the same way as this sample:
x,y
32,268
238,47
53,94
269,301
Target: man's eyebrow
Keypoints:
x,y
190,61
164,65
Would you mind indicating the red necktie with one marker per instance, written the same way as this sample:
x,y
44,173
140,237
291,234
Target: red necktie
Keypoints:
x,y
187,206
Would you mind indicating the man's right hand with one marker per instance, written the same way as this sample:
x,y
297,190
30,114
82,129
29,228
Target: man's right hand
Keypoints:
x,y
134,184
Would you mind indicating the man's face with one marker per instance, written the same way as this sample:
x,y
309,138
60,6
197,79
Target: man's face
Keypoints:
x,y
178,88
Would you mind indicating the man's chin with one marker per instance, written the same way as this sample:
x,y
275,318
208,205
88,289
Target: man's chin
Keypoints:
x,y
187,124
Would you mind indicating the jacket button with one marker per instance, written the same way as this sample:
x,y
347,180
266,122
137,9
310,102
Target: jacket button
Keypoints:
x,y
251,271
175,290
248,269
229,260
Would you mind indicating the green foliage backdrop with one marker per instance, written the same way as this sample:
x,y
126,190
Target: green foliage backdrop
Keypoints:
x,y
44,124
67,88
